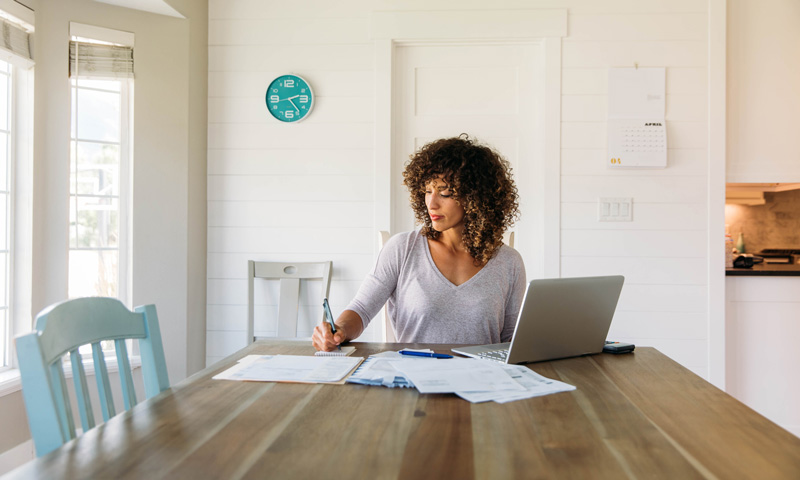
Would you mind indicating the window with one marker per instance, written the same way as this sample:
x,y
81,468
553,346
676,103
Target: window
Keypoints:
x,y
16,186
98,176
100,157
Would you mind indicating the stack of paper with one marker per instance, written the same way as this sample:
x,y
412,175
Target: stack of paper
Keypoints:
x,y
471,379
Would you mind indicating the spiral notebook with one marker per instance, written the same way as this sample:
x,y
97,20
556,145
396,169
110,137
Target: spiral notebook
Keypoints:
x,y
345,351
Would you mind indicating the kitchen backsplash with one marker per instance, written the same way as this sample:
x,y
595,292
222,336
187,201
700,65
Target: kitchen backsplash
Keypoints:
x,y
776,224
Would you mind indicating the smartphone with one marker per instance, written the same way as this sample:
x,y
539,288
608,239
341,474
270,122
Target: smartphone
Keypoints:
x,y
328,314
618,347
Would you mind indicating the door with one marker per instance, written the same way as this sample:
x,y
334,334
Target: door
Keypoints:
x,y
486,91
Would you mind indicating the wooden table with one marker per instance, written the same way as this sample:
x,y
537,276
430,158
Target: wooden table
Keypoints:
x,y
632,416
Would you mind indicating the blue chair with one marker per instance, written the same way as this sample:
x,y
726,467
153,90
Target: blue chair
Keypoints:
x,y
64,327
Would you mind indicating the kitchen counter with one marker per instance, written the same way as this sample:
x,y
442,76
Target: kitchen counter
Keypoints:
x,y
766,270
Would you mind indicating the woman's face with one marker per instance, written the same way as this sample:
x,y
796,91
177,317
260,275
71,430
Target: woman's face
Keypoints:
x,y
444,210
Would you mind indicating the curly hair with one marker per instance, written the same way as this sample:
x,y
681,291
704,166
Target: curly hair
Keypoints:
x,y
480,181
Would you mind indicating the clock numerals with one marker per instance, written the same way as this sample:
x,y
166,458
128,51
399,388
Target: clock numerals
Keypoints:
x,y
288,114
288,83
274,99
303,98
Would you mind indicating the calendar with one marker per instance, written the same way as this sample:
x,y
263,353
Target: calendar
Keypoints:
x,y
637,133
637,143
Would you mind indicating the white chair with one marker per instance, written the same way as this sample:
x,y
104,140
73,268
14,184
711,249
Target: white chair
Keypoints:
x,y
508,238
388,331
289,275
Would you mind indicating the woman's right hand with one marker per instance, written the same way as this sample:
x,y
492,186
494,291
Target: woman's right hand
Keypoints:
x,y
325,340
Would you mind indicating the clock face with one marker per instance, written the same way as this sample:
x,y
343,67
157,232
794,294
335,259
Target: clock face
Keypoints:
x,y
289,98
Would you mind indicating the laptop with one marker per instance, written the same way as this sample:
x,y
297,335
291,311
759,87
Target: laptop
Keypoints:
x,y
559,318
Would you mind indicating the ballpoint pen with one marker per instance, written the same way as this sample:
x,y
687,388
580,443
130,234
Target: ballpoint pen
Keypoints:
x,y
329,317
425,354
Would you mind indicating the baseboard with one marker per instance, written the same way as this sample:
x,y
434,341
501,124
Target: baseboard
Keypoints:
x,y
13,458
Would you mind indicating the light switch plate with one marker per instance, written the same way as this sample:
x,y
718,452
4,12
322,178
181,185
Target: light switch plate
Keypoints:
x,y
614,209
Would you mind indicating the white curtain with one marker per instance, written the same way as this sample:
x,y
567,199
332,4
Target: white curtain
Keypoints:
x,y
100,60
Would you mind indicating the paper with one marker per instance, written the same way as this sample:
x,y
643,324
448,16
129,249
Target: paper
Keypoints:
x,y
345,351
635,93
534,385
379,370
431,375
291,368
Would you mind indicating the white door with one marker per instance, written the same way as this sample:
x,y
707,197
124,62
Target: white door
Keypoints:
x,y
486,91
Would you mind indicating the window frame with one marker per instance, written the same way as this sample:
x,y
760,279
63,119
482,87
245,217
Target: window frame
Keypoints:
x,y
20,214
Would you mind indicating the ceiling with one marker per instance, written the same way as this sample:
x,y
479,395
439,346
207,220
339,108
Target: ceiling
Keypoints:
x,y
154,6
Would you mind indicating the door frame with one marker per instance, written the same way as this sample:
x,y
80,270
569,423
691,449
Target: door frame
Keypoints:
x,y
544,27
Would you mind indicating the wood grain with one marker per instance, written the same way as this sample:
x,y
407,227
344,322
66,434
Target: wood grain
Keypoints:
x,y
634,416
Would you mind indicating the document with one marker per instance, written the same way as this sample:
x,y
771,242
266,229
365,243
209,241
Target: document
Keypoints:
x,y
378,370
452,375
534,385
291,368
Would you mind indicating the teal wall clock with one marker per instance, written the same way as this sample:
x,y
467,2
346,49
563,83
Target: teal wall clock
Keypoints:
x,y
289,98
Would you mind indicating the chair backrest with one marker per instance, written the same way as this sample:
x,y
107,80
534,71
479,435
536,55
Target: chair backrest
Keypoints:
x,y
388,330
508,238
289,275
63,328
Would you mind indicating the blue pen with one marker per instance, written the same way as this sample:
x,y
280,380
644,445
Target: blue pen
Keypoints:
x,y
329,317
425,354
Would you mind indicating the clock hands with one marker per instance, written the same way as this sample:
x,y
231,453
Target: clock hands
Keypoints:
x,y
295,106
290,101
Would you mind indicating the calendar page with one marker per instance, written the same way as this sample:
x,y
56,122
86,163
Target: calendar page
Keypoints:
x,y
637,143
637,133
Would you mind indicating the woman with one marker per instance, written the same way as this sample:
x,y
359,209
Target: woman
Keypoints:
x,y
452,280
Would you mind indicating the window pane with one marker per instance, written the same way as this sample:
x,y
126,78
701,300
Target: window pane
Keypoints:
x,y
98,169
4,101
98,115
93,273
98,222
72,121
113,85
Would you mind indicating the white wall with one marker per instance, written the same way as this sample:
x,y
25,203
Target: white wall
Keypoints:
x,y
302,191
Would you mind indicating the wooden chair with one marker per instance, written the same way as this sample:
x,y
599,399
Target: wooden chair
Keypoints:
x,y
289,275
64,327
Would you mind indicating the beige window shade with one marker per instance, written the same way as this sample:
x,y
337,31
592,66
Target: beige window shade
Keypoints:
x,y
100,60
16,40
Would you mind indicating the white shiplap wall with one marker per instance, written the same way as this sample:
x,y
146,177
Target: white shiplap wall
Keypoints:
x,y
303,191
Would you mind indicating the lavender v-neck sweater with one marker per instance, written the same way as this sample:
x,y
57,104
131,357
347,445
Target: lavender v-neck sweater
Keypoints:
x,y
425,307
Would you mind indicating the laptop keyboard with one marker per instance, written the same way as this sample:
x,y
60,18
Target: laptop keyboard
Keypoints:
x,y
496,355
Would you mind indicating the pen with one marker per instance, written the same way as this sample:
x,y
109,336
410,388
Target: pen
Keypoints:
x,y
425,354
329,317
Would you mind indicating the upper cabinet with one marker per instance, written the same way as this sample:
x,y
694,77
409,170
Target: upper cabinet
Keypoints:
x,y
763,91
